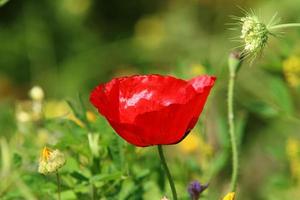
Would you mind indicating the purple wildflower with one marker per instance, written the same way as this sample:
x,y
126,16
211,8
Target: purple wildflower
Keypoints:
x,y
195,189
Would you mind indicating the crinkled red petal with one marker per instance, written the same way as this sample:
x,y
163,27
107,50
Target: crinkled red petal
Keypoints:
x,y
152,109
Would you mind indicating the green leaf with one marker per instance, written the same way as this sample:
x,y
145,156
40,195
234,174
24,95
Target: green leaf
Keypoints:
x,y
262,108
69,194
282,96
17,160
106,177
79,176
2,2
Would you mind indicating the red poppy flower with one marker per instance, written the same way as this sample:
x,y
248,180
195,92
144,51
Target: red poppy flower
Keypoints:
x,y
152,109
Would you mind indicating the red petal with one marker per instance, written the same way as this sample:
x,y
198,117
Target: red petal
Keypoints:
x,y
152,109
105,97
201,83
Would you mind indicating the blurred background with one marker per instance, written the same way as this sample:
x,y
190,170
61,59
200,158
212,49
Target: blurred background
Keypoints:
x,y
67,47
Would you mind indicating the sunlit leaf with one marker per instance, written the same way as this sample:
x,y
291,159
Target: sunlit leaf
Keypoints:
x,y
2,2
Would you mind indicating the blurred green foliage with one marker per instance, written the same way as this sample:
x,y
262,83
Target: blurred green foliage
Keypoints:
x,y
69,46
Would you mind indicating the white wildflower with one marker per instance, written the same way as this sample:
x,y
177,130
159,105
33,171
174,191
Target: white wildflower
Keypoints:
x,y
254,34
51,161
36,93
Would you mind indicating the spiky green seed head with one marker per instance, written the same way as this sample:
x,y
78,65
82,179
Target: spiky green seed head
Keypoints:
x,y
254,34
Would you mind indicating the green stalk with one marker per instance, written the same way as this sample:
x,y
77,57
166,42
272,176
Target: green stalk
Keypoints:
x,y
235,161
288,25
58,185
165,166
235,61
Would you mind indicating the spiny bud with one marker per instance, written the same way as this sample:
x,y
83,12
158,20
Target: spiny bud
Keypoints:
x,y
254,34
51,161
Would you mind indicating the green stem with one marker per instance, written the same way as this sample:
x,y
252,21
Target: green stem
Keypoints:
x,y
289,25
235,62
94,192
58,185
165,166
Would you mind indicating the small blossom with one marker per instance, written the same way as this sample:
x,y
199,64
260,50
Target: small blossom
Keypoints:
x,y
91,117
36,93
293,156
195,189
164,198
51,161
93,139
291,71
197,69
230,196
23,116
190,144
254,33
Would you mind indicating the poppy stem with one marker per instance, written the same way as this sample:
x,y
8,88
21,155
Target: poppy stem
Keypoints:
x,y
235,62
167,171
58,185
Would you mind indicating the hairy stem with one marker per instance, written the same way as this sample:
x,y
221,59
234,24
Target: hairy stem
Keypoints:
x,y
235,62
167,171
289,25
232,133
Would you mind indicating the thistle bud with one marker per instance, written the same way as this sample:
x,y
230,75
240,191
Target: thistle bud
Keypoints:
x,y
254,34
51,161
93,144
234,62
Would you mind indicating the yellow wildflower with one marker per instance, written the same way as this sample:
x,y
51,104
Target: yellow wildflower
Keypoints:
x,y
292,147
197,69
195,142
54,109
292,151
291,70
91,117
76,120
229,196
190,144
57,109
51,161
